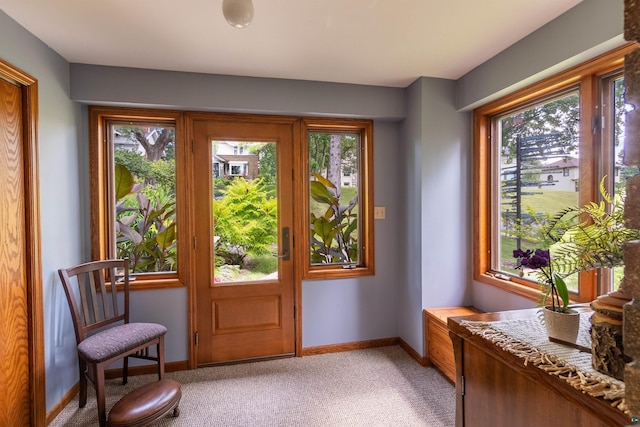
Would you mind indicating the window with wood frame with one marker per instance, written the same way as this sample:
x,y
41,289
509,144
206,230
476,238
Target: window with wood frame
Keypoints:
x,y
539,151
337,158
135,190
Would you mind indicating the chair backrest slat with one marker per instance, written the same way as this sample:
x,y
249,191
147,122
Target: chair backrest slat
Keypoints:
x,y
83,286
104,311
93,302
97,303
114,294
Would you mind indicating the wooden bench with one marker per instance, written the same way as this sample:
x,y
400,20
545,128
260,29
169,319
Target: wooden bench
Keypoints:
x,y
438,346
146,404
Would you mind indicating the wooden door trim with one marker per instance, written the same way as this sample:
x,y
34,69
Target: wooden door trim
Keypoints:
x,y
29,88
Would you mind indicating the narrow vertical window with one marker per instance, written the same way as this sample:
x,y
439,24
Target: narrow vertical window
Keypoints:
x,y
333,198
613,167
137,197
338,158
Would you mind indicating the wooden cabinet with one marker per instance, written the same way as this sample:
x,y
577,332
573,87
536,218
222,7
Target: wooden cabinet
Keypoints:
x,y
495,388
438,347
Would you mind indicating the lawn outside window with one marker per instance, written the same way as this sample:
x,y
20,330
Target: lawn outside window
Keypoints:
x,y
541,150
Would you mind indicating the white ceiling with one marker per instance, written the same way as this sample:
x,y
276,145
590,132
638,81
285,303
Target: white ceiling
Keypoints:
x,y
373,42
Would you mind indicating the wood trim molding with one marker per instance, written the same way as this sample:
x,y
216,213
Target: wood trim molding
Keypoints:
x,y
422,360
33,248
62,403
356,345
599,65
361,345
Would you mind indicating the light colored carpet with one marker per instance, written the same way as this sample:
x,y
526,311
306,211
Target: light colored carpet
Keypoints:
x,y
373,387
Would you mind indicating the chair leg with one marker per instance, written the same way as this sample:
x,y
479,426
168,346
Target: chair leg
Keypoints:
x,y
125,370
100,394
160,350
82,394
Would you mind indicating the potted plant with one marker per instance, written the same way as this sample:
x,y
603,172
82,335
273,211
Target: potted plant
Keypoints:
x,y
562,322
596,242
583,239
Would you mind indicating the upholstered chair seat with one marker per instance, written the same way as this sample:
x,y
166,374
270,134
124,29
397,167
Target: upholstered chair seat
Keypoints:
x,y
118,340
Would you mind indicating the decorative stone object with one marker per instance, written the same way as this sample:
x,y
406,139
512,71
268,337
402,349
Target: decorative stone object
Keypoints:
x,y
632,99
632,211
632,20
632,328
607,347
632,220
631,281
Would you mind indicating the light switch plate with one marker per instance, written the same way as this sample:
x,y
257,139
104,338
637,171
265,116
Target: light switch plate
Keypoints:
x,y
379,212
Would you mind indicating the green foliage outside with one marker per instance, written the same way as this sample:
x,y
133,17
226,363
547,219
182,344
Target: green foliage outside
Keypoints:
x,y
145,223
561,115
245,224
320,153
159,173
334,233
267,159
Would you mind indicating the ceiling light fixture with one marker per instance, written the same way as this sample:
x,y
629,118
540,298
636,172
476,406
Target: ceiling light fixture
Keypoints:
x,y
238,13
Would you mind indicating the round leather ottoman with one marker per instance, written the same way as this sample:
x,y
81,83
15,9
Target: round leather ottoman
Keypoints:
x,y
146,404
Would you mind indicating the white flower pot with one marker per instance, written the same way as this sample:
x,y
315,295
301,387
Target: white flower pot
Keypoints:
x,y
562,326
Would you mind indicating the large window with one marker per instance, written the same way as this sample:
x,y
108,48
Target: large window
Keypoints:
x,y
337,159
538,153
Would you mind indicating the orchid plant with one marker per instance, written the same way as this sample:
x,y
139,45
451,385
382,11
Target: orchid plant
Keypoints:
x,y
555,294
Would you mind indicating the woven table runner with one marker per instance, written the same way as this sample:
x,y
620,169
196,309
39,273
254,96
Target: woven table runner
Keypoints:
x,y
527,339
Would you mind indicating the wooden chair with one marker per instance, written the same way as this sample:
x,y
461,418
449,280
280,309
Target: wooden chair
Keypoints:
x,y
103,332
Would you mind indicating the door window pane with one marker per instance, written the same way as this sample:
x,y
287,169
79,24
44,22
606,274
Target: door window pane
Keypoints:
x,y
245,218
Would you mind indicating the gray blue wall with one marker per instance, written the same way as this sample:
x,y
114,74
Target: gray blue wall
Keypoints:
x,y
63,189
590,28
423,165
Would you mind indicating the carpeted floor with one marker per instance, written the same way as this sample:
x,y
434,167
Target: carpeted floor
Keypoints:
x,y
374,387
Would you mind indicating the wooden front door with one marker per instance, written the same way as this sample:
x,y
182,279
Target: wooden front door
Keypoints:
x,y
244,265
21,353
